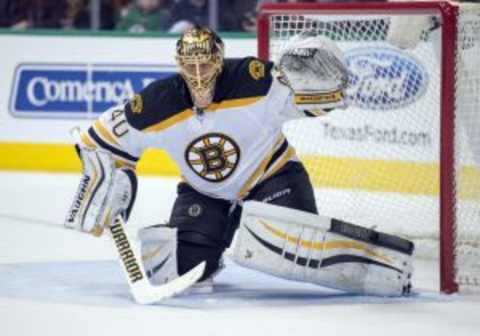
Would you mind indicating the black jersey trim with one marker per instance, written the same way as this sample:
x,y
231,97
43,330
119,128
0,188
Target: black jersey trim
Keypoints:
x,y
214,107
281,150
284,156
257,174
162,102
106,135
232,103
110,148
169,122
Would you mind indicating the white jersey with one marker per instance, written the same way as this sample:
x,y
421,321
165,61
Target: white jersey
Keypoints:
x,y
222,152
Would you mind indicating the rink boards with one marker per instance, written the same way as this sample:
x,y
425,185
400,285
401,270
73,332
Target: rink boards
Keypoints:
x,y
48,93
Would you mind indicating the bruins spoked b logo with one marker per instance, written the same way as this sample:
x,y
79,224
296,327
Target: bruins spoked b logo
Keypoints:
x,y
213,156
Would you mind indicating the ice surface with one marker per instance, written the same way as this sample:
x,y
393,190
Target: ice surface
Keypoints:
x,y
59,282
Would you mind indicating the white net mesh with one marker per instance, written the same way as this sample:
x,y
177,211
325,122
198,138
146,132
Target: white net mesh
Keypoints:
x,y
467,149
377,162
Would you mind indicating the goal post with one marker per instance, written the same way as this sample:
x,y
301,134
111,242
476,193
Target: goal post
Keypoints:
x,y
405,155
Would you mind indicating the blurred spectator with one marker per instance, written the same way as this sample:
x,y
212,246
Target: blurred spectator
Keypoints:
x,y
6,13
260,2
234,15
187,13
78,14
248,21
37,13
237,15
74,9
145,15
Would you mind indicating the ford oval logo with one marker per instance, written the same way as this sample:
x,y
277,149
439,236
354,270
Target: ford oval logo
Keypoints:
x,y
384,79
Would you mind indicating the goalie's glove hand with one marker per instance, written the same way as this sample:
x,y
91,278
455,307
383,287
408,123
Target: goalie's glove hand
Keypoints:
x,y
104,192
313,67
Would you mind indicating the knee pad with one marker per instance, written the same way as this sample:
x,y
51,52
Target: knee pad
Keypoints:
x,y
205,216
204,229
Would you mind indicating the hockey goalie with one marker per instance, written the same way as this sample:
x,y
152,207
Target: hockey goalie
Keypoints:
x,y
221,121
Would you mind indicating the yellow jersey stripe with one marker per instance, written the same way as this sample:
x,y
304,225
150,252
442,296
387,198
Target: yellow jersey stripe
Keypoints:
x,y
232,103
253,179
104,133
185,114
281,161
87,141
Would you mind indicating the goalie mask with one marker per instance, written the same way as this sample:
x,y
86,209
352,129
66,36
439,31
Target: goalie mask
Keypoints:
x,y
200,58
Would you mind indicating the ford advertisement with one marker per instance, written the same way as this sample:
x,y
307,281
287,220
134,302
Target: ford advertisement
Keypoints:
x,y
384,79
77,90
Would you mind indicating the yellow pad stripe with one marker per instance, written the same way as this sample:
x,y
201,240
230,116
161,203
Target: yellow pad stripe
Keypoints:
x,y
338,244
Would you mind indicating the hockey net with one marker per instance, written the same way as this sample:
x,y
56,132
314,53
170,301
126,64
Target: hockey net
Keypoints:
x,y
405,155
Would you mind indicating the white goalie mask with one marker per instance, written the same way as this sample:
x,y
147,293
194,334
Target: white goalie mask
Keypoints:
x,y
313,67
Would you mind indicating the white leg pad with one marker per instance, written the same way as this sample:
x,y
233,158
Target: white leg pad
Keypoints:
x,y
159,256
296,245
159,253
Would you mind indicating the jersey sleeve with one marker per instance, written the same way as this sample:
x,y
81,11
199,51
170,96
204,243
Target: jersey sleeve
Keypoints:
x,y
282,107
158,106
113,133
126,131
253,77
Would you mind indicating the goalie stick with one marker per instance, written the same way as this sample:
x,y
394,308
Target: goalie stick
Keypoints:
x,y
142,290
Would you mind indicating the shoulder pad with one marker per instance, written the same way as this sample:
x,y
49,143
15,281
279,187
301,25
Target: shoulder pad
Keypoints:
x,y
250,77
252,69
257,69
160,100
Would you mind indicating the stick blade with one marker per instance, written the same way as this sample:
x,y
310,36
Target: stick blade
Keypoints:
x,y
145,293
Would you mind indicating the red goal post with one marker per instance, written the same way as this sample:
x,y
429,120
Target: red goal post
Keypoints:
x,y
277,22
